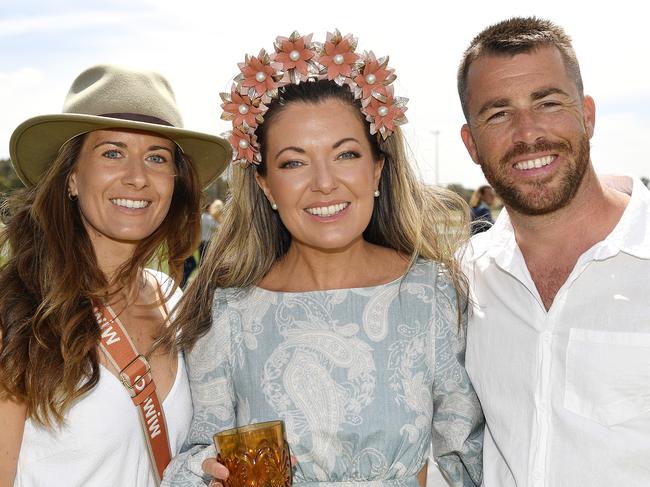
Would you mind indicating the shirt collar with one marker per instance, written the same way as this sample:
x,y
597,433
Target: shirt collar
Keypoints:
x,y
499,239
631,234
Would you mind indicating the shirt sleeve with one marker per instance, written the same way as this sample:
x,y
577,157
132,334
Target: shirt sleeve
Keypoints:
x,y
210,376
458,422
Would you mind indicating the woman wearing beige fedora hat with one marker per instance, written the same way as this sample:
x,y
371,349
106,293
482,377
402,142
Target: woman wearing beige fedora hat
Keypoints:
x,y
111,183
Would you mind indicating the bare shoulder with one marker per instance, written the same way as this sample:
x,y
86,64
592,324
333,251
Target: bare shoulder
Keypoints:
x,y
12,424
617,198
14,410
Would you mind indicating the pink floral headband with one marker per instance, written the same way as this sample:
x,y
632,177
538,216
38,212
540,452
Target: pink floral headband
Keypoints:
x,y
297,59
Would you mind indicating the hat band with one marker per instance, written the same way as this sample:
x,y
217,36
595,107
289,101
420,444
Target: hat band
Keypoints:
x,y
137,117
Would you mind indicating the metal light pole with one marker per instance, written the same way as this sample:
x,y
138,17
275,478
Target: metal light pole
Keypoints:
x,y
436,134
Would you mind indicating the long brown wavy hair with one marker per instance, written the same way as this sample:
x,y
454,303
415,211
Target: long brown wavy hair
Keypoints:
x,y
50,277
408,217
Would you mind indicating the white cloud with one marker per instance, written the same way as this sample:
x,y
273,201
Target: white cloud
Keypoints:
x,y
619,144
21,77
23,93
57,22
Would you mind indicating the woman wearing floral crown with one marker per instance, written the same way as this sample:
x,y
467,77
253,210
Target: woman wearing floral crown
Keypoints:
x,y
331,298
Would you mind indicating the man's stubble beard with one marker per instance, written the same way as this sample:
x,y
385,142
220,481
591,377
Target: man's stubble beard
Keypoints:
x,y
538,198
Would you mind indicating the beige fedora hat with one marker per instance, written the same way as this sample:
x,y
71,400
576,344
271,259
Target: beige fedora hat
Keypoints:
x,y
114,97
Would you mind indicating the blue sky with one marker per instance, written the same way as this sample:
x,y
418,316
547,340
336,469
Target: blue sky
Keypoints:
x,y
196,45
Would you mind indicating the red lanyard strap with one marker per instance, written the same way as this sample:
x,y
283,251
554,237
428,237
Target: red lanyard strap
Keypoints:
x,y
135,375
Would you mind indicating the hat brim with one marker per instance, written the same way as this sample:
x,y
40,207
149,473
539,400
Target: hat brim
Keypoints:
x,y
36,142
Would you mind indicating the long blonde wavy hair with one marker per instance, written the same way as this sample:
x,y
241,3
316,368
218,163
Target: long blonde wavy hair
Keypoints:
x,y
415,220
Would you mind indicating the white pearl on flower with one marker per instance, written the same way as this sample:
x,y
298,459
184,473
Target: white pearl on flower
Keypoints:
x,y
243,109
294,55
338,59
243,144
370,79
260,76
382,110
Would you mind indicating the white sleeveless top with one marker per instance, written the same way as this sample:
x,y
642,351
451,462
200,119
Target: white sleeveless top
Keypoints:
x,y
101,443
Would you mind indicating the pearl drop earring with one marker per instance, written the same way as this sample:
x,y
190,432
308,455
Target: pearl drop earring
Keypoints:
x,y
376,193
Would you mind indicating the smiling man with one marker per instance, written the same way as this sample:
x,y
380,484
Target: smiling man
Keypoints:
x,y
559,333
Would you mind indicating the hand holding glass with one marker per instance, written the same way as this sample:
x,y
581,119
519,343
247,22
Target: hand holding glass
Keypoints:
x,y
256,455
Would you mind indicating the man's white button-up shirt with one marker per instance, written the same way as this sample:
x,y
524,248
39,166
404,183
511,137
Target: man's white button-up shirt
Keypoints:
x,y
566,393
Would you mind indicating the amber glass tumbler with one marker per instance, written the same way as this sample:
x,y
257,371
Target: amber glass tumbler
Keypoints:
x,y
256,455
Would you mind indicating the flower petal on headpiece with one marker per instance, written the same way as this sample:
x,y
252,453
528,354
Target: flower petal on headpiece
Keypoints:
x,y
244,147
258,75
374,77
385,113
294,54
241,109
339,57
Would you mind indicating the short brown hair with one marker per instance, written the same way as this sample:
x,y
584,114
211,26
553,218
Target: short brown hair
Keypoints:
x,y
516,36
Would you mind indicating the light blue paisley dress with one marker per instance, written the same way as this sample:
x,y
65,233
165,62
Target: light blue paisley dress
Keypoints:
x,y
364,379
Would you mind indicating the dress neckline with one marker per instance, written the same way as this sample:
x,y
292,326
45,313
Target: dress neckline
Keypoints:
x,y
334,290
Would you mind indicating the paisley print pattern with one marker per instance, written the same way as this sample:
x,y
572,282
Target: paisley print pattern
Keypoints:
x,y
365,380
